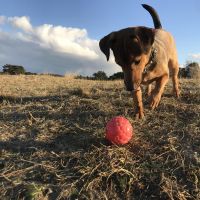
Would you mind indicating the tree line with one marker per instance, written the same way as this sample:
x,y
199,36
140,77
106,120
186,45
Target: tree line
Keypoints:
x,y
15,70
100,75
191,70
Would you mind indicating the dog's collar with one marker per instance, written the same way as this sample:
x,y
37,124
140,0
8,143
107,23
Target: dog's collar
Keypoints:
x,y
152,60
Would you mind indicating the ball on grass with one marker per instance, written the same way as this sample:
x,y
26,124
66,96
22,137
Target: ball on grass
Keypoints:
x,y
119,130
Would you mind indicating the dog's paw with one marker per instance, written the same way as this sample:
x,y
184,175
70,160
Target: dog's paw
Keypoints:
x,y
155,100
139,115
176,93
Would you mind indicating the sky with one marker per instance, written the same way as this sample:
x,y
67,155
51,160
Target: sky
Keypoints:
x,y
61,36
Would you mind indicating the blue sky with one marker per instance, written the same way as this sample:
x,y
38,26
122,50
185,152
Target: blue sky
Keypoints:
x,y
33,32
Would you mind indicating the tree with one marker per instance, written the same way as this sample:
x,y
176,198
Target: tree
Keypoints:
x,y
100,75
193,70
118,75
182,72
13,69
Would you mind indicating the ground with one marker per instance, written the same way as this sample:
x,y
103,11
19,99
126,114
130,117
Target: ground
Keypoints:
x,y
52,141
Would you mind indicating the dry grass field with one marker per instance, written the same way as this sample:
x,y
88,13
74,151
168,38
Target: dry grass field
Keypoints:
x,y
52,142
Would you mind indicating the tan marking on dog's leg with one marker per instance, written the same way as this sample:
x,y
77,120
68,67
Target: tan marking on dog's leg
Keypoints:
x,y
173,65
175,81
137,98
158,91
149,89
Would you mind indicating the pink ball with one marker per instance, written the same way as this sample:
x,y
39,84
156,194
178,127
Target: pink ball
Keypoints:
x,y
119,130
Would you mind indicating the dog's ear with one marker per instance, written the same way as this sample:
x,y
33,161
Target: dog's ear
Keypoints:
x,y
105,44
146,36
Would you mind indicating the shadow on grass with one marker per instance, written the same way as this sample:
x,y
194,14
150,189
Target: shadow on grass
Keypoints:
x,y
77,134
67,142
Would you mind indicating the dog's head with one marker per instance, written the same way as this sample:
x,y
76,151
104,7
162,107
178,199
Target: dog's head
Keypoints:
x,y
131,48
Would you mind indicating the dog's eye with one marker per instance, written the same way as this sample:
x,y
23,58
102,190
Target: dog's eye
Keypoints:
x,y
135,40
137,62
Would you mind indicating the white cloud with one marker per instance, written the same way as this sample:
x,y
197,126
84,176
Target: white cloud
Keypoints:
x,y
2,19
58,38
21,23
62,39
195,55
49,48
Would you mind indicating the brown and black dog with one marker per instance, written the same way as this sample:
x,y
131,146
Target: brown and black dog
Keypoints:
x,y
145,55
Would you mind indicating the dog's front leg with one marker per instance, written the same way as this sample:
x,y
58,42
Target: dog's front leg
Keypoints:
x,y
137,98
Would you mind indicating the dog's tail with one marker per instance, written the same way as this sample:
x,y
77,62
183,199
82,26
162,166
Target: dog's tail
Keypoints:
x,y
154,15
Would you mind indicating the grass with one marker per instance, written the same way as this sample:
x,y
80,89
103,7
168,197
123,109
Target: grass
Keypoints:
x,y
52,142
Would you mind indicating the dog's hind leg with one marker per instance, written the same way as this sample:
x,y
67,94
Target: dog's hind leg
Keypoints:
x,y
149,89
174,68
158,91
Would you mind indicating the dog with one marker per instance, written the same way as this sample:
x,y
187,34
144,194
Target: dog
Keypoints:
x,y
146,55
